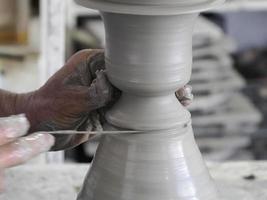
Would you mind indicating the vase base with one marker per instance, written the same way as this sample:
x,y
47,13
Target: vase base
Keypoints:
x,y
162,165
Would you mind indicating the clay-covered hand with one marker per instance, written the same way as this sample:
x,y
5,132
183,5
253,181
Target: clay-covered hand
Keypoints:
x,y
15,148
185,96
68,97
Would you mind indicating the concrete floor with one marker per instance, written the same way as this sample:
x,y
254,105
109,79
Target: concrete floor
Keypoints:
x,y
236,181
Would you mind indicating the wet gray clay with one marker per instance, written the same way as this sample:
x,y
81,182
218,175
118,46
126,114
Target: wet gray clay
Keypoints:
x,y
149,56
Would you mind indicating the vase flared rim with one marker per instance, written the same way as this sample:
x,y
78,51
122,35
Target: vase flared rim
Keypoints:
x,y
181,7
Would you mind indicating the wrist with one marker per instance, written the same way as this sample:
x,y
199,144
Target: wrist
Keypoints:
x,y
7,103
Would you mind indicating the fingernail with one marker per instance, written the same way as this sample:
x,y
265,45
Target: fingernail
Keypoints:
x,y
44,142
188,88
15,126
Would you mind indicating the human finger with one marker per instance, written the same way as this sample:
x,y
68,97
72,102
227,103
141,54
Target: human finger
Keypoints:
x,y
12,128
23,149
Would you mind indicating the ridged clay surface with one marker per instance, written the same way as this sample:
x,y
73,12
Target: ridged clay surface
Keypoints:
x,y
148,57
163,165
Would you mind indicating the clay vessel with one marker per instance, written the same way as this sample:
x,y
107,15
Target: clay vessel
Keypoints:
x,y
162,165
148,57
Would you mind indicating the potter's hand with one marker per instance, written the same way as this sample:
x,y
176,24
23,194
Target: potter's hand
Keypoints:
x,y
185,96
68,97
15,148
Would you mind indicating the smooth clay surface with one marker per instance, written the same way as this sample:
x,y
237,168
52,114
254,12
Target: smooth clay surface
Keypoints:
x,y
160,165
150,7
149,57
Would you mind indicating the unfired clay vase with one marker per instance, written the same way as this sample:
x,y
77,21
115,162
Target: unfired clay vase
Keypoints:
x,y
163,165
149,57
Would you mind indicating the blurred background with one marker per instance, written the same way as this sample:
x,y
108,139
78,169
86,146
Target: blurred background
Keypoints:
x,y
229,72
